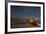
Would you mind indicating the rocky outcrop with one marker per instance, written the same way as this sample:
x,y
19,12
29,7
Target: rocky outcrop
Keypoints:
x,y
17,22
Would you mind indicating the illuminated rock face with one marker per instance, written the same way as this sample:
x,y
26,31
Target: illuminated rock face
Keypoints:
x,y
32,21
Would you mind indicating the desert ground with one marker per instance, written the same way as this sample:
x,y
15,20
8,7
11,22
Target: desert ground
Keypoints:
x,y
18,22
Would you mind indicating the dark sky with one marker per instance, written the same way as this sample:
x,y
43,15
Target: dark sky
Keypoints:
x,y
25,11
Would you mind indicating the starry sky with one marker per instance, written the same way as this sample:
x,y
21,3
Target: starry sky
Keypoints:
x,y
25,11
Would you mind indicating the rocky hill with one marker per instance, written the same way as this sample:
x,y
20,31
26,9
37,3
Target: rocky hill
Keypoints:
x,y
18,22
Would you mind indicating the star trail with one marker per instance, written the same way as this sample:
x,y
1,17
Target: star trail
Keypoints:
x,y
25,11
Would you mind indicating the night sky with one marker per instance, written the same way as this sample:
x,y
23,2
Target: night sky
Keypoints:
x,y
25,11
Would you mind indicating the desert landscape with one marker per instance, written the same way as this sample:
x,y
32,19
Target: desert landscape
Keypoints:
x,y
18,22
25,16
